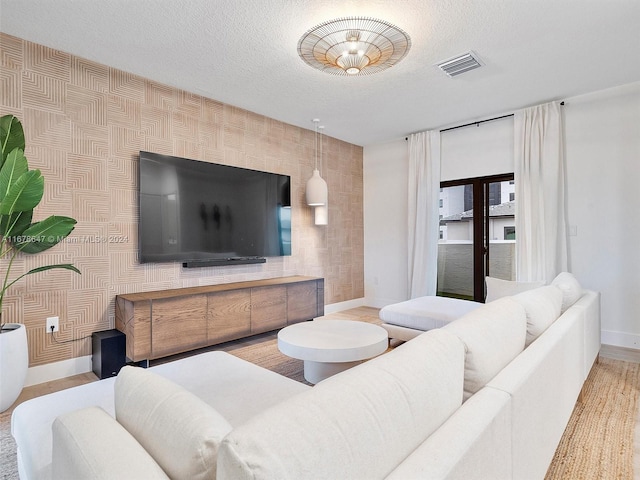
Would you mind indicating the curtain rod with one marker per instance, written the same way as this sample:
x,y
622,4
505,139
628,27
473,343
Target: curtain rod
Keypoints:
x,y
477,123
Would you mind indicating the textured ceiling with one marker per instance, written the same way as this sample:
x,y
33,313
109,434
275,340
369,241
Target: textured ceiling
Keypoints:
x,y
243,52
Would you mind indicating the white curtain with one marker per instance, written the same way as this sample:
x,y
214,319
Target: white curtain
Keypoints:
x,y
424,194
541,207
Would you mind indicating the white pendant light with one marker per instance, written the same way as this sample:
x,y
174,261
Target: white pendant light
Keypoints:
x,y
322,215
316,190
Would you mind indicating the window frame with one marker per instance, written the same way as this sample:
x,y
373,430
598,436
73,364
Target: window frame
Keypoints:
x,y
480,225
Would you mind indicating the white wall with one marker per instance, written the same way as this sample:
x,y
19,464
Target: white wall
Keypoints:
x,y
603,162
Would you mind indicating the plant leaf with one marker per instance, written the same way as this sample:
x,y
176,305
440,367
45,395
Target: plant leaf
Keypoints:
x,y
24,194
15,224
66,266
43,235
14,167
11,136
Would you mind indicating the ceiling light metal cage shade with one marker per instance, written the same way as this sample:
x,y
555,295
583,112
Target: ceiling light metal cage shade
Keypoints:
x,y
354,46
316,190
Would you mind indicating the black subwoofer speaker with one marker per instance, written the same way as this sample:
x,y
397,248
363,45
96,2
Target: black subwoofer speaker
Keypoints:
x,y
108,353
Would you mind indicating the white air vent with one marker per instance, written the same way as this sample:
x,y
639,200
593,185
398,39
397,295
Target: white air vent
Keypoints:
x,y
460,64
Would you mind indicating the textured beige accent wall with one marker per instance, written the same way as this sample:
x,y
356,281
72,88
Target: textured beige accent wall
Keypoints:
x,y
85,124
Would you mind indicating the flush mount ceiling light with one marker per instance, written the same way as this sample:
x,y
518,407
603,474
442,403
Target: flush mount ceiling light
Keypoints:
x,y
354,46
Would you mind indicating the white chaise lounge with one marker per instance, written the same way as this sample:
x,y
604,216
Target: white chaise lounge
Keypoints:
x,y
406,320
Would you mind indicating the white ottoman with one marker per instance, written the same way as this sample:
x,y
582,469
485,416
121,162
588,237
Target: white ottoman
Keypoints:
x,y
408,319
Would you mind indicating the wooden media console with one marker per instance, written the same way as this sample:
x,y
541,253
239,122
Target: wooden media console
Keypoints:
x,y
166,322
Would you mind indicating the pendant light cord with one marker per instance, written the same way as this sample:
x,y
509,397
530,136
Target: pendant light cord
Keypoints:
x,y
321,138
316,121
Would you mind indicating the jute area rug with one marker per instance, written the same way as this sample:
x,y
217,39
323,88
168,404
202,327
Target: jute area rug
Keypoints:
x,y
598,442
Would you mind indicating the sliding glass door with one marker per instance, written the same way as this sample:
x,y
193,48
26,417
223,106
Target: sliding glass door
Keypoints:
x,y
477,235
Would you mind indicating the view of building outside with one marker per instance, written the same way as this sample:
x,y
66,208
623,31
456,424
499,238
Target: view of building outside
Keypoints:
x,y
455,248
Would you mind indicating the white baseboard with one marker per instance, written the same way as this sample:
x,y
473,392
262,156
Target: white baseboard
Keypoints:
x,y
338,307
378,302
57,370
620,339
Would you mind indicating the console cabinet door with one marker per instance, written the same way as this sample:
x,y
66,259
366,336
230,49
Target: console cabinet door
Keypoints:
x,y
178,324
268,308
229,315
302,302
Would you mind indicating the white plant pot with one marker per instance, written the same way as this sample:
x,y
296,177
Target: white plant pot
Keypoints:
x,y
14,362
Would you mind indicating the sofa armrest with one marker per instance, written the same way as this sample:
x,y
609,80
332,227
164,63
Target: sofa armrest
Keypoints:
x,y
589,303
544,382
475,442
90,443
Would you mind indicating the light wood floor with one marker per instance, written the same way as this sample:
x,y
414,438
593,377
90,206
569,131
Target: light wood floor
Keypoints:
x,y
620,353
368,314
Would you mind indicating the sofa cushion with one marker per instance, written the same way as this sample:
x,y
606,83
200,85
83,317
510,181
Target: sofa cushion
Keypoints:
x,y
180,431
360,423
89,443
570,287
542,306
493,335
235,388
498,288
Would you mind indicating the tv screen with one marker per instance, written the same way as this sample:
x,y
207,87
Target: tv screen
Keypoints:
x,y
194,211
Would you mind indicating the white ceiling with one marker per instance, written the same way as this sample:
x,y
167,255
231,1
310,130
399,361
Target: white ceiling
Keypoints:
x,y
244,53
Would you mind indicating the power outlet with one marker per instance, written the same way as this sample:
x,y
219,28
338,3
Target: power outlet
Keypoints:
x,y
52,322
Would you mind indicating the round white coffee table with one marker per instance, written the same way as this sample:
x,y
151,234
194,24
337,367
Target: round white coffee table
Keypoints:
x,y
331,346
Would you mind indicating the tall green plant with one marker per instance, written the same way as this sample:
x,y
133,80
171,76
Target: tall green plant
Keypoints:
x,y
21,190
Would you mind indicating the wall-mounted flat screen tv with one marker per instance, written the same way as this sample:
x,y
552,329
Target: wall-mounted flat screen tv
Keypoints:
x,y
201,213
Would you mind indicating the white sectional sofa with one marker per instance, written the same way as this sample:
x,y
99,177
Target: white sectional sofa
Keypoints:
x,y
486,397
